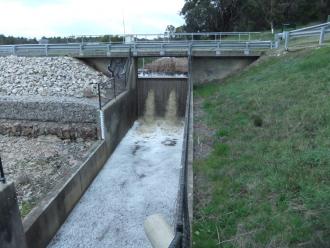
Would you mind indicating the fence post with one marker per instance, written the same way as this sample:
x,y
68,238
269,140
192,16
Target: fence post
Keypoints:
x,y
81,48
14,50
46,50
247,49
286,37
109,50
322,33
218,51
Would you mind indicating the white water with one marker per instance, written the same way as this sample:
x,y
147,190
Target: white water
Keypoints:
x,y
141,178
149,113
148,74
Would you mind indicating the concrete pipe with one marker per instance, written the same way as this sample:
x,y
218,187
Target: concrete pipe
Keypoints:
x,y
158,231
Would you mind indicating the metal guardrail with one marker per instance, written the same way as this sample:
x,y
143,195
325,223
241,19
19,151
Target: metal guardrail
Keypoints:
x,y
317,30
169,36
137,48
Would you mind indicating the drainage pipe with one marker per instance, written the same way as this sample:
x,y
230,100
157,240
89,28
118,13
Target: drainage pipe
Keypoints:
x,y
158,231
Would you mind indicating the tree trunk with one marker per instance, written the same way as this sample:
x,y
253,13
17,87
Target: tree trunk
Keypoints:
x,y
272,27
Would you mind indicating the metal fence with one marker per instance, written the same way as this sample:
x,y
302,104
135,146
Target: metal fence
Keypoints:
x,y
118,72
166,37
316,32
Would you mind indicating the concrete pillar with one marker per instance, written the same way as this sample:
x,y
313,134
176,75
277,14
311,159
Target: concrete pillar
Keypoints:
x,y
11,228
159,233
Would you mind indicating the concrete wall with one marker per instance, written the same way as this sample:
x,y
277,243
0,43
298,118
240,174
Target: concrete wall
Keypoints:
x,y
43,222
207,69
120,113
11,229
162,88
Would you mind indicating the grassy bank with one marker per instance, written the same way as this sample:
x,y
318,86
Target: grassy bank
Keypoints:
x,y
266,181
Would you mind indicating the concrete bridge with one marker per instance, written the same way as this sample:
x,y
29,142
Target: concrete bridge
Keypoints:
x,y
215,54
155,45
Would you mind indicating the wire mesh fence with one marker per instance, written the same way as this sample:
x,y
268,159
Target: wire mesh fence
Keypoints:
x,y
118,72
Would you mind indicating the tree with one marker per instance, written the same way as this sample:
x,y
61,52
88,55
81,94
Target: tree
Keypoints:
x,y
268,12
170,29
211,15
248,15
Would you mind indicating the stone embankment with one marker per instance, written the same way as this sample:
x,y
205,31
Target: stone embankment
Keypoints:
x,y
51,95
49,76
48,122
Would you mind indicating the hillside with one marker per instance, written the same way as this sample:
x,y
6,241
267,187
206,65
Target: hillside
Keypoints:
x,y
262,165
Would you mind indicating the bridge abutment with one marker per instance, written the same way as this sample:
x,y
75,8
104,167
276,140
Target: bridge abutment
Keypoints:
x,y
208,69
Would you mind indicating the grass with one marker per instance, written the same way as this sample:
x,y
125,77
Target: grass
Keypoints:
x,y
312,41
26,208
267,181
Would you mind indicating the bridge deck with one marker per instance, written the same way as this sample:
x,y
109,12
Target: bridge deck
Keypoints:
x,y
140,49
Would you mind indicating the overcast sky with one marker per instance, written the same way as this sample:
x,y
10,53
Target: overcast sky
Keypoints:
x,y
36,18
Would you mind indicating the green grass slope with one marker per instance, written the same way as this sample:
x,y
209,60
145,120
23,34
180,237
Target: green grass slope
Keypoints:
x,y
267,181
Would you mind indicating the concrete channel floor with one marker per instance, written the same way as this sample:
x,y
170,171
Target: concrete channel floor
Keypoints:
x,y
141,178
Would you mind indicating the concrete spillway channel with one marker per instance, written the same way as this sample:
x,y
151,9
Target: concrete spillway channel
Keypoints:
x,y
133,171
141,177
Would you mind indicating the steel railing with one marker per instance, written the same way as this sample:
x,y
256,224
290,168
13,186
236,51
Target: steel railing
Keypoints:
x,y
313,31
136,48
168,36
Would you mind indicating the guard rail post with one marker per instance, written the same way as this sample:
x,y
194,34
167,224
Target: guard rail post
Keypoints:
x,y
286,37
322,34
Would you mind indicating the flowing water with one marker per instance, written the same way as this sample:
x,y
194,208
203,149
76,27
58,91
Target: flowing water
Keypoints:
x,y
149,113
141,178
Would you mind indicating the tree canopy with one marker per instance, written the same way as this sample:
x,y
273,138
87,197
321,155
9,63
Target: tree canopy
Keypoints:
x,y
249,15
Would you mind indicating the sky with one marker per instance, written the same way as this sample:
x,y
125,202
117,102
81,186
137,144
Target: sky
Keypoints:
x,y
37,18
